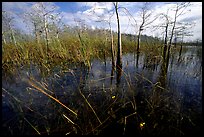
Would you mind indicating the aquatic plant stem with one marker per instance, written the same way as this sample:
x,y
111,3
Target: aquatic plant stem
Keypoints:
x,y
90,106
32,126
41,90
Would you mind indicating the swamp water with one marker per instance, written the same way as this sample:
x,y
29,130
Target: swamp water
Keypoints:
x,y
142,99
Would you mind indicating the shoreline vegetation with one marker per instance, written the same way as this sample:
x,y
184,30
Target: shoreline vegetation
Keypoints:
x,y
136,112
74,102
70,49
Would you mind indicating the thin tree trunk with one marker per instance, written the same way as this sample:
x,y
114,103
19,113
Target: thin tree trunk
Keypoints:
x,y
112,72
165,42
104,56
3,37
119,55
12,35
112,53
181,47
175,42
172,33
118,76
36,33
140,30
112,50
163,74
137,60
138,41
46,35
57,36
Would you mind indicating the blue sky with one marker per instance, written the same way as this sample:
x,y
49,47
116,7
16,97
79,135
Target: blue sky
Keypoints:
x,y
68,6
92,12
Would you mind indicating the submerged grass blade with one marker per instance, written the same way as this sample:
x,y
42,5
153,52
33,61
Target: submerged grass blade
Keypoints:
x,y
125,121
90,106
69,119
42,85
32,126
11,95
72,123
41,90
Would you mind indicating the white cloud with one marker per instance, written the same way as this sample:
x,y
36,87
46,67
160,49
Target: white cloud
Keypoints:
x,y
195,15
18,10
91,12
91,5
12,6
98,11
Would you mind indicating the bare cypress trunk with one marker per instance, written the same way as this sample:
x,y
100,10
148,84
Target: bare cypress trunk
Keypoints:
x,y
165,42
118,76
12,35
46,35
144,17
172,33
112,50
138,38
137,60
162,75
180,50
57,36
119,55
36,33
181,47
113,55
104,51
112,72
104,56
3,37
138,42
175,40
135,39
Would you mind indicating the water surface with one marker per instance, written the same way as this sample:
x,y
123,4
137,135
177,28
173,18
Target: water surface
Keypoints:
x,y
168,102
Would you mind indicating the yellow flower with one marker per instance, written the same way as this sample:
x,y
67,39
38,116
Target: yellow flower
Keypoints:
x,y
113,97
142,124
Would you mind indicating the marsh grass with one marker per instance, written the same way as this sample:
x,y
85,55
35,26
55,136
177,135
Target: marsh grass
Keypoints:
x,y
97,111
104,110
151,109
69,48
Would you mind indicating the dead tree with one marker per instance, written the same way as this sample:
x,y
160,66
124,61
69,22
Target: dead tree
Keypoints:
x,y
146,14
7,22
166,36
40,16
179,10
119,54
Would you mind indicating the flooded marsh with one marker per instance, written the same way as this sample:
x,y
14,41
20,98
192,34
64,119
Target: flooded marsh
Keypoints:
x,y
144,98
